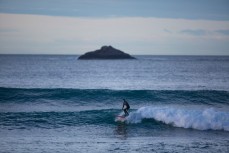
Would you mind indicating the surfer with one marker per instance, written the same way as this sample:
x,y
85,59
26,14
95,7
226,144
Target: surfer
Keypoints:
x,y
125,107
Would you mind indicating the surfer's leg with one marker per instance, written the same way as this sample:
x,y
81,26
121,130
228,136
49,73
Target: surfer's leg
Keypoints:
x,y
126,112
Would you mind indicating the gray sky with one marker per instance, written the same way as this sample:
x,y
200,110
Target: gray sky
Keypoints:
x,y
154,27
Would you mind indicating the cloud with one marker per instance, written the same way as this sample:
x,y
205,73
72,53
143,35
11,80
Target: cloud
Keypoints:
x,y
224,32
197,32
167,31
8,30
204,9
67,35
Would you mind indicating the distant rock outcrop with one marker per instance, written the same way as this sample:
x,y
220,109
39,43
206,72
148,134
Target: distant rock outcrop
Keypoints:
x,y
105,52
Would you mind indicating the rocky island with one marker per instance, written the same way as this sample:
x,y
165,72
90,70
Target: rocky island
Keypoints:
x,y
105,52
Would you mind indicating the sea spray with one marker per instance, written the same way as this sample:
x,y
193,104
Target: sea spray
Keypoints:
x,y
200,119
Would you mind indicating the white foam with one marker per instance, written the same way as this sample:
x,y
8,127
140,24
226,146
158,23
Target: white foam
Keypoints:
x,y
201,119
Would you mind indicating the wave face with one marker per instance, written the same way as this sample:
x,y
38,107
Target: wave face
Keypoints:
x,y
48,120
54,108
200,119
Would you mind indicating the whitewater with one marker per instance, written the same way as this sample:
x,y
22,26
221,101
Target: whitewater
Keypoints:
x,y
200,119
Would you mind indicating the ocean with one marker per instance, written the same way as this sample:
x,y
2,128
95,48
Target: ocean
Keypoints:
x,y
56,103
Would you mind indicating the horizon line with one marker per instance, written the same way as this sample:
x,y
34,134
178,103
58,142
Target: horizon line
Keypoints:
x,y
130,54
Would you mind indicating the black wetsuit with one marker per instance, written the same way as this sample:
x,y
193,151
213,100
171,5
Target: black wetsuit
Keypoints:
x,y
125,103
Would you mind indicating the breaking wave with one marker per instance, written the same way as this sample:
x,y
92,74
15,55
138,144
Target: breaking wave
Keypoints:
x,y
200,119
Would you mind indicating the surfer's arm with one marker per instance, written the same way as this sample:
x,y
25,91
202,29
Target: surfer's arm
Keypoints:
x,y
123,106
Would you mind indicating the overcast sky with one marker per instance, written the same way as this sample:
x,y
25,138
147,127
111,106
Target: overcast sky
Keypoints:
x,y
153,27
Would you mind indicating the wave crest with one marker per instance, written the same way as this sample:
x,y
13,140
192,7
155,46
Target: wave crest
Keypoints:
x,y
200,119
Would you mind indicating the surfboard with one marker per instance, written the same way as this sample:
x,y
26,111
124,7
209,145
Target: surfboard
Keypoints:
x,y
120,118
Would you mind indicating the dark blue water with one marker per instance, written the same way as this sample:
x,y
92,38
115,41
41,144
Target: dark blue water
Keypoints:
x,y
61,104
146,73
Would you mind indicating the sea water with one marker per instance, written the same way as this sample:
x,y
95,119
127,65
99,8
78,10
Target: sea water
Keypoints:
x,y
61,104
